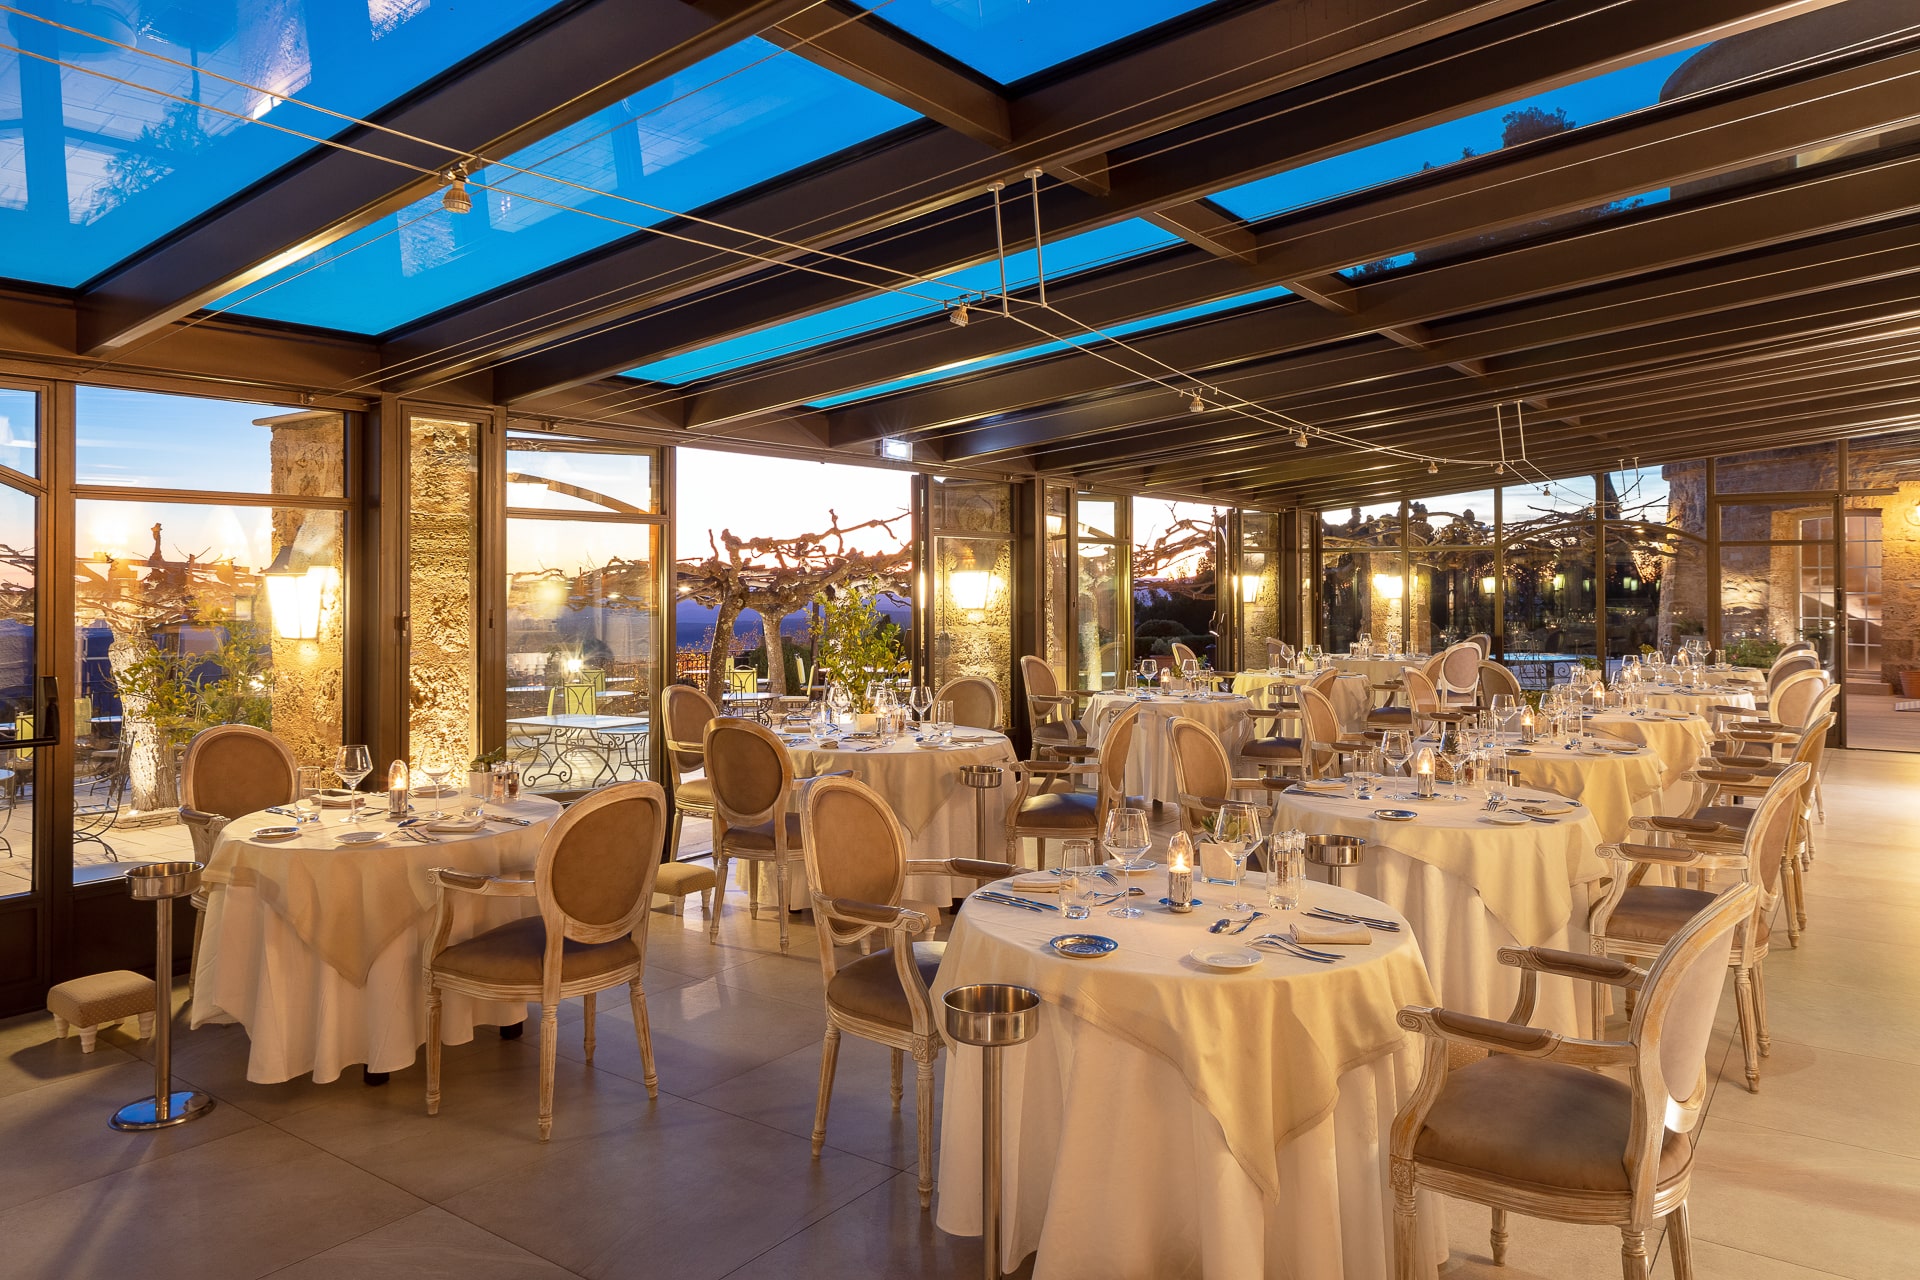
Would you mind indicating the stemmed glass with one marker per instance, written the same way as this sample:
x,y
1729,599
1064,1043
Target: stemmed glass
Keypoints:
x,y
921,700
1237,829
353,764
1396,747
1146,667
436,767
1506,711
1448,747
840,700
1126,838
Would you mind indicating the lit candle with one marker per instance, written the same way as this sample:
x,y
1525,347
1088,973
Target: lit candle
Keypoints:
x,y
1180,873
1526,724
397,788
1423,774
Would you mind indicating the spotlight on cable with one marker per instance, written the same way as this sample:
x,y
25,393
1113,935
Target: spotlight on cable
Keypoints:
x,y
455,198
1300,441
1433,468
1196,405
960,316
1499,468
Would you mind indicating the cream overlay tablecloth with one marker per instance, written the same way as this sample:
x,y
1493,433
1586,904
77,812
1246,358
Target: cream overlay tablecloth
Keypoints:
x,y
1379,670
1679,739
1614,785
1267,1061
1150,763
315,947
1697,701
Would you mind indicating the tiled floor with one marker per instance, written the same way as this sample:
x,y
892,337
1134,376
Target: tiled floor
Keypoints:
x,y
1818,1174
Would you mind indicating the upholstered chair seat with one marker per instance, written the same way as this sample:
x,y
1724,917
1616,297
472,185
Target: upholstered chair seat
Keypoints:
x,y
1652,913
1276,748
759,838
694,793
1492,1116
870,986
1060,810
513,953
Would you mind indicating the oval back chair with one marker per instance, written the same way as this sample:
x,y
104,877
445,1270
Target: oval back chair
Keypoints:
x,y
976,701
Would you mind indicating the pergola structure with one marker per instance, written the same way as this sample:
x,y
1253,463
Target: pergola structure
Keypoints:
x,y
1765,298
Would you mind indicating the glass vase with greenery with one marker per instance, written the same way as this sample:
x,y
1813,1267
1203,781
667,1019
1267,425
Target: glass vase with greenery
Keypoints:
x,y
855,643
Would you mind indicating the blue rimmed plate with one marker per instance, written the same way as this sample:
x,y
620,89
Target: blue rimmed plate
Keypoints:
x,y
1083,946
1395,815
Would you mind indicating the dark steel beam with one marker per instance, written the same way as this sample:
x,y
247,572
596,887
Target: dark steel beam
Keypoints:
x,y
1819,204
1542,46
536,81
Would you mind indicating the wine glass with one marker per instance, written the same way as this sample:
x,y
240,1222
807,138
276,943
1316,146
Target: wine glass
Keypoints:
x,y
1126,838
840,700
1237,829
1506,711
1396,745
1448,748
1146,667
353,764
921,700
436,767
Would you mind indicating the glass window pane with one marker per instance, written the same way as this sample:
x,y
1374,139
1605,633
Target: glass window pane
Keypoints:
x,y
973,610
1453,568
1778,521
1770,595
20,430
144,440
1009,39
1057,594
1176,548
19,616
189,616
443,548
746,114
1363,586
1098,644
1097,518
580,616
98,168
578,475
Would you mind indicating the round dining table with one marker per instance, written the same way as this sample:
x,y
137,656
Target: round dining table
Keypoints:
x,y
1379,668
1150,763
1617,780
1697,700
1352,695
317,947
1469,886
922,786
1170,1119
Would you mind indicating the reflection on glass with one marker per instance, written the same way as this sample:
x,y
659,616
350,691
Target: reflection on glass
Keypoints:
x,y
1453,568
1258,585
972,612
19,430
1175,554
1362,578
1550,593
18,619
746,114
1009,39
580,621
175,631
1055,597
443,548
145,440
1098,642
558,474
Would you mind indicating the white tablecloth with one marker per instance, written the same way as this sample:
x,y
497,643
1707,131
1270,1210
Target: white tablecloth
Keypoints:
x,y
1679,740
1380,670
1150,763
1615,786
924,790
1469,888
1697,701
316,948
1173,1121
1352,695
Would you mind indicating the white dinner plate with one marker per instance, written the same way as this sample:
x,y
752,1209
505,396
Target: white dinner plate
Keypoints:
x,y
1145,868
1226,959
1505,818
275,833
360,837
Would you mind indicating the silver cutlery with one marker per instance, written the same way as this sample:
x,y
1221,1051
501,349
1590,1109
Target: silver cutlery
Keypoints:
x,y
1242,926
1292,948
295,814
1341,917
1006,900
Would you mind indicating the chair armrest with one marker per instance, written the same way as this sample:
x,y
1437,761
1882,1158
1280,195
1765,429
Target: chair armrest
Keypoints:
x,y
1513,1038
1722,776
687,748
1682,826
485,886
1075,750
1043,766
1574,964
854,911
1050,700
1664,855
970,868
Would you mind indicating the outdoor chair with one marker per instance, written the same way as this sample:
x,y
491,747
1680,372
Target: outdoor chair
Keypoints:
x,y
96,815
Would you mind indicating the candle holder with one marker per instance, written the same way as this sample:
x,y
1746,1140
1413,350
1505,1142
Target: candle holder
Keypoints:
x,y
397,789
1423,774
1180,874
1527,730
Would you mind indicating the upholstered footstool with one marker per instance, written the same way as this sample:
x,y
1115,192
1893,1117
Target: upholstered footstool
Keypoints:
x,y
101,1000
678,879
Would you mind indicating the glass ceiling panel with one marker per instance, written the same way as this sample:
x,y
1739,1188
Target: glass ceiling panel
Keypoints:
x,y
1075,254
1604,97
1009,39
746,114
1234,303
91,171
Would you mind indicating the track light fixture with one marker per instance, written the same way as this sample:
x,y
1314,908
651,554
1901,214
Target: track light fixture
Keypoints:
x,y
455,198
1499,468
1300,441
1433,468
960,316
1196,405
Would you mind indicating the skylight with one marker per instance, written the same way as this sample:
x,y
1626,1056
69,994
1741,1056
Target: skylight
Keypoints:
x,y
1075,254
92,171
1006,40
740,117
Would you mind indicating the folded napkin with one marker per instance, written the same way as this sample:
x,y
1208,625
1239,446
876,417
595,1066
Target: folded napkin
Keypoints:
x,y
1329,785
1040,882
1545,808
457,825
1330,933
332,799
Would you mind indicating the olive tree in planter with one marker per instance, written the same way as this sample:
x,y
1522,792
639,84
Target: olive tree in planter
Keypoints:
x,y
854,642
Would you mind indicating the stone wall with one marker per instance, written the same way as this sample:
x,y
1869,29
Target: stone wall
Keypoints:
x,y
308,459
443,563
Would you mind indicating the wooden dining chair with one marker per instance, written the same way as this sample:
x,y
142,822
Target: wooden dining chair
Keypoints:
x,y
1327,744
1457,679
593,882
1203,774
1638,920
1042,807
1050,712
975,699
688,713
754,820
856,860
1483,642
1496,679
228,772
1182,654
1533,1126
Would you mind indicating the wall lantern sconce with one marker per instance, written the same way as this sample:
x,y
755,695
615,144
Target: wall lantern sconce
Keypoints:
x,y
1559,582
1249,588
1390,586
299,598
971,588
1486,585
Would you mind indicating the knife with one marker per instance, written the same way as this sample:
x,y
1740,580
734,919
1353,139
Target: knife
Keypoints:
x,y
1341,917
1007,900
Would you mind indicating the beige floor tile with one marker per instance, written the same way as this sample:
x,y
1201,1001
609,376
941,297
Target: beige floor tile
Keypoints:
x,y
1537,1249
795,978
429,1243
1722,1262
1825,1093
30,1055
1831,1206
59,1135
240,1206
861,1119
690,1193
487,1123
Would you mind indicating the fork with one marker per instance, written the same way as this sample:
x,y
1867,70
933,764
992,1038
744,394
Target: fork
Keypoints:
x,y
1292,948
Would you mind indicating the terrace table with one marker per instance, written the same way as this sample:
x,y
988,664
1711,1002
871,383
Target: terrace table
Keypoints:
x,y
1470,887
617,742
316,947
1617,781
1171,1120
1352,693
1150,764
